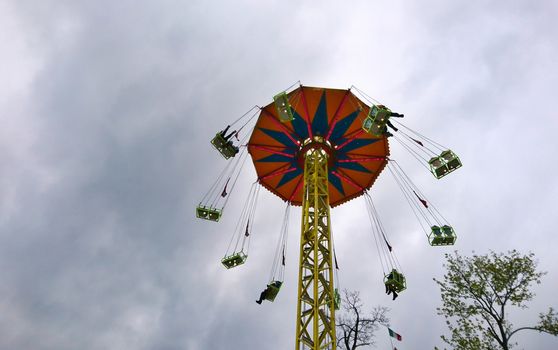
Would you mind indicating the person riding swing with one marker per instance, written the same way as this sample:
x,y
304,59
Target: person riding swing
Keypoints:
x,y
270,292
390,288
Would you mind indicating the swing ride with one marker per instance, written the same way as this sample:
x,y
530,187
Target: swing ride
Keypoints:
x,y
319,148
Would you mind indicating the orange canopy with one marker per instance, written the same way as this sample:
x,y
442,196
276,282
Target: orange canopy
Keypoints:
x,y
333,118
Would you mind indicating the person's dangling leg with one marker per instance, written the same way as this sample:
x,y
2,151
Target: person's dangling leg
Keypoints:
x,y
262,297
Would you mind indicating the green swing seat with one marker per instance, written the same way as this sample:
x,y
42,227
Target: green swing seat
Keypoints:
x,y
444,164
336,299
224,146
444,235
368,124
272,290
449,234
438,167
208,213
451,159
375,122
379,114
234,260
283,107
396,280
436,238
373,128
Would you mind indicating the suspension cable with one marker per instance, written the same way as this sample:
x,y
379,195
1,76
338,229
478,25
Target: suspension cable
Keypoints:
x,y
249,119
415,155
231,171
238,228
381,253
367,97
413,141
431,207
278,267
244,157
336,269
412,203
244,115
216,183
432,142
243,222
252,216
382,231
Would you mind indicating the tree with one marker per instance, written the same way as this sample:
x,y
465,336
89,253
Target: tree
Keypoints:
x,y
477,292
356,329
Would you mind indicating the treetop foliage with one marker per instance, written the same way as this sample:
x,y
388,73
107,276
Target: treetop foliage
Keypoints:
x,y
476,291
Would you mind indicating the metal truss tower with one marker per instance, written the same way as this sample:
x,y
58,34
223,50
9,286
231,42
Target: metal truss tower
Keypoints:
x,y
315,325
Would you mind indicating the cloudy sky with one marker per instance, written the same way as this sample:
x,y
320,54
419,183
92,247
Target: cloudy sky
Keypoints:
x,y
106,111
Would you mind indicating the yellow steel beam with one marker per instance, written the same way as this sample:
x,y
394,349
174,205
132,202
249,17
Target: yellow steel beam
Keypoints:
x,y
315,325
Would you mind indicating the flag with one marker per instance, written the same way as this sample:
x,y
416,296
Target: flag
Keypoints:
x,y
335,258
417,141
394,335
385,240
224,193
421,200
247,233
283,261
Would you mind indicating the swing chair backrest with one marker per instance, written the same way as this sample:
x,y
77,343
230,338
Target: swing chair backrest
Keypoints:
x,y
451,159
435,238
448,155
372,127
396,280
224,146
272,290
283,107
444,164
438,167
436,162
448,230
379,114
208,213
375,122
449,234
367,124
234,260
377,129
440,236
336,299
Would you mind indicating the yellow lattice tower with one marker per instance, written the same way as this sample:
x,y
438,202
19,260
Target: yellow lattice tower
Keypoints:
x,y
315,326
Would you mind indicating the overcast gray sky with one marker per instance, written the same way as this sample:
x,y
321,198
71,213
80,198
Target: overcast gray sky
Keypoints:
x,y
106,111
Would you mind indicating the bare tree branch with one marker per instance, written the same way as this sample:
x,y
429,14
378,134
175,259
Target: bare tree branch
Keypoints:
x,y
358,328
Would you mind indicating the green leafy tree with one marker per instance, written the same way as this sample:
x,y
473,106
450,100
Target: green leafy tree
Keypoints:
x,y
355,328
477,292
